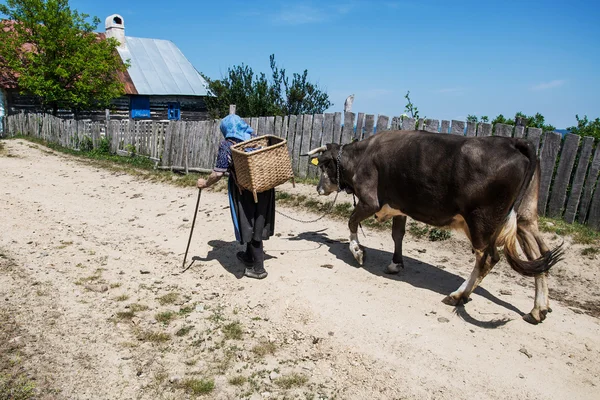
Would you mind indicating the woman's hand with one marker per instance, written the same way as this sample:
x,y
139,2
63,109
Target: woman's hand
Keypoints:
x,y
202,183
212,179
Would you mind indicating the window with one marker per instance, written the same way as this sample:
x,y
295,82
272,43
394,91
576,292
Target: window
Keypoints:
x,y
140,107
173,111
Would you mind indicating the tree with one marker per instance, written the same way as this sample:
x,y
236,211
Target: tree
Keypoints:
x,y
410,107
586,127
53,53
255,95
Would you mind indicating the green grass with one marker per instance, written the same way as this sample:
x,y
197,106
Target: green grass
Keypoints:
x,y
262,349
122,297
233,330
581,234
292,380
186,310
153,336
126,315
590,251
135,307
238,380
169,298
198,387
184,331
165,317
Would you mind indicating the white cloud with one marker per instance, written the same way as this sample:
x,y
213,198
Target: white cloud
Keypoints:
x,y
549,85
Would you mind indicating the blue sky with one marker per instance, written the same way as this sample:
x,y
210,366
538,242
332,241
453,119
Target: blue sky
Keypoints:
x,y
456,58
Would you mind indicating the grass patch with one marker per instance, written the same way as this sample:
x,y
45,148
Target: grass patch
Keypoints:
x,y
153,336
122,297
184,331
135,307
96,277
291,381
115,285
198,386
581,234
233,330
169,298
187,310
590,251
238,380
262,349
126,315
165,317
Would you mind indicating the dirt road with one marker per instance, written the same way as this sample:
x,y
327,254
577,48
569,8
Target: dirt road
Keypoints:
x,y
90,270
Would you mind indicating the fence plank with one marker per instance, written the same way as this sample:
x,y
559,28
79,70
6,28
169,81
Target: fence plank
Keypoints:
x,y
360,122
408,124
306,134
328,129
588,188
395,125
421,124
369,125
284,127
278,125
432,125
594,217
519,131
577,187
534,135
445,126
348,129
297,143
471,129
254,124
458,128
270,127
549,152
315,141
484,129
504,130
337,127
291,135
563,176
382,123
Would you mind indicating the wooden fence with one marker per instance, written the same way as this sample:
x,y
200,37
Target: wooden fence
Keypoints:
x,y
570,164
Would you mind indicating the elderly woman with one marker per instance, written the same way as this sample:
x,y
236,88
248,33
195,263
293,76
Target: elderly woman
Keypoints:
x,y
252,222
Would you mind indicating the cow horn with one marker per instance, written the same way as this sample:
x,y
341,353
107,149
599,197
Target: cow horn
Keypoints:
x,y
317,150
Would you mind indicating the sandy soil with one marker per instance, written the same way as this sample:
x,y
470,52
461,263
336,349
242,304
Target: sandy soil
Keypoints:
x,y
80,245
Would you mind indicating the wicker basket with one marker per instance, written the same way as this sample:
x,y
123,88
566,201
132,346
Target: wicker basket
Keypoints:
x,y
263,169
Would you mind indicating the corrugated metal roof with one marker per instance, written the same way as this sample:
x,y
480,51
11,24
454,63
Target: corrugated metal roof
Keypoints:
x,y
158,67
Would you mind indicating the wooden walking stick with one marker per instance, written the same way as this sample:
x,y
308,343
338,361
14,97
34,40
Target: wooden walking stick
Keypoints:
x,y
191,231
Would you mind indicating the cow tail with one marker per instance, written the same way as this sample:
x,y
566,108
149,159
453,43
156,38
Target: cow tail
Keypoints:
x,y
508,232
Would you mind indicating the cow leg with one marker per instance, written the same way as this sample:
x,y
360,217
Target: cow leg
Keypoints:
x,y
484,262
361,212
398,230
533,246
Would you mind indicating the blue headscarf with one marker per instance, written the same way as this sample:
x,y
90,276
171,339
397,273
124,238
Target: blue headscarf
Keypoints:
x,y
233,127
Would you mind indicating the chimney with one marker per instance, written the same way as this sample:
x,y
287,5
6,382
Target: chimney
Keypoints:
x,y
115,28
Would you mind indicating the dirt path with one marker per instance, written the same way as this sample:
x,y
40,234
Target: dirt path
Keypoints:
x,y
85,251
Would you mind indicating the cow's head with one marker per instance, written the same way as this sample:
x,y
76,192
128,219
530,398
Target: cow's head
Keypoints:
x,y
325,158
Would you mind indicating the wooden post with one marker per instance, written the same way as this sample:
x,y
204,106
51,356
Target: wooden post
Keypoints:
x,y
231,109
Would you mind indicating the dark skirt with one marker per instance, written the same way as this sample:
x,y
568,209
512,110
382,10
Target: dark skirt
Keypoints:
x,y
251,221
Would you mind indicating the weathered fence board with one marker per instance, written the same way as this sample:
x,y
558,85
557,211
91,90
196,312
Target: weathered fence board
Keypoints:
x,y
315,141
337,127
408,124
445,126
360,122
291,136
563,175
534,135
484,129
382,123
306,134
504,130
471,129
421,124
277,128
297,143
519,131
578,180
432,125
594,217
348,129
588,188
328,129
549,152
369,125
458,127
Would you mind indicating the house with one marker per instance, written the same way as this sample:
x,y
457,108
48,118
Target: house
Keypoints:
x,y
160,84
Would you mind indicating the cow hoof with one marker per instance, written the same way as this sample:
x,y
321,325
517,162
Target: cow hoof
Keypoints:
x,y
393,268
357,252
451,301
531,319
549,309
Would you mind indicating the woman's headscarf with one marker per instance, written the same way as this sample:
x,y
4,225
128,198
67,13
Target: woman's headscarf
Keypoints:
x,y
233,127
